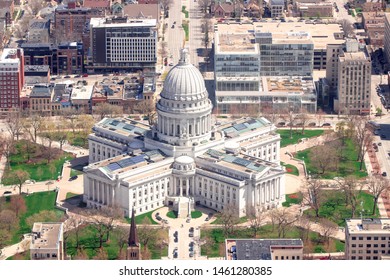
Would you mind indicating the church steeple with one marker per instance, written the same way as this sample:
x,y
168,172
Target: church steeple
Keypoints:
x,y
133,248
133,237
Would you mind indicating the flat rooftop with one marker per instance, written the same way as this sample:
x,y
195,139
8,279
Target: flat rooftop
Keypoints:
x,y
130,22
81,92
350,56
46,235
123,126
261,249
368,226
321,34
243,125
240,162
123,163
111,91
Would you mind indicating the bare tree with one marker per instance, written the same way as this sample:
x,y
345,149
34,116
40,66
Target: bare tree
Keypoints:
x,y
18,205
256,218
32,126
313,194
7,144
146,234
122,235
69,116
377,185
148,108
107,110
323,158
103,220
327,229
166,4
42,216
283,220
205,5
14,124
351,187
303,119
8,219
207,28
18,177
101,254
290,117
347,27
304,226
35,6
72,227
363,138
229,218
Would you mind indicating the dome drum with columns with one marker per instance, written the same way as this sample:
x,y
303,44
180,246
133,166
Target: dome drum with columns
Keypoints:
x,y
184,110
177,162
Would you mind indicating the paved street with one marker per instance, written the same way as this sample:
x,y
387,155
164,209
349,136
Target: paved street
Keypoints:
x,y
175,35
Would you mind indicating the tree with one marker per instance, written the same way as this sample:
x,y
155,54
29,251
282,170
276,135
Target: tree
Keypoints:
x,y
290,118
283,220
377,185
323,158
379,111
69,116
303,119
229,218
18,205
327,229
207,28
146,234
103,220
14,124
363,138
106,109
47,141
7,144
148,108
18,177
72,227
43,216
347,27
351,187
35,6
8,220
256,218
122,234
303,225
166,4
101,255
313,194
32,126
163,50
205,5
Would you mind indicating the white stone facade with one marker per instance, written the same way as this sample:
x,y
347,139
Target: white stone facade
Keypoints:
x,y
184,156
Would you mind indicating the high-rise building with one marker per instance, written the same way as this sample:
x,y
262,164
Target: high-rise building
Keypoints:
x,y
11,79
123,43
386,39
354,81
367,239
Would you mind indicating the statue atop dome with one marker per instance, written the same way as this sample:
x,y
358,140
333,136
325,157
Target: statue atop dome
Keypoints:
x,y
184,57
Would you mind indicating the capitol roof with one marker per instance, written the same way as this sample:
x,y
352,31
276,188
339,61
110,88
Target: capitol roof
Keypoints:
x,y
184,81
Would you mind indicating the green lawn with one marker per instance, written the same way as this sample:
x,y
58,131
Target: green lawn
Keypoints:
x,y
335,209
348,166
294,198
296,135
219,222
89,241
291,169
37,167
184,11
186,29
70,195
139,219
172,214
196,214
74,172
313,244
34,203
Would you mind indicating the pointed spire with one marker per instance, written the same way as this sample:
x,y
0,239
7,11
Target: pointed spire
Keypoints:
x,y
133,237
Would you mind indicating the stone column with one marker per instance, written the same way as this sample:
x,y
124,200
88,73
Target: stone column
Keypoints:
x,y
255,196
181,186
112,195
187,187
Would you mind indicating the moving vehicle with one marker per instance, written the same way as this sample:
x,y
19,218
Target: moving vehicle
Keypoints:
x,y
73,178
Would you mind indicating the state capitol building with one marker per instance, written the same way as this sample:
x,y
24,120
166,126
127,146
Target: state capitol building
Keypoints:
x,y
184,159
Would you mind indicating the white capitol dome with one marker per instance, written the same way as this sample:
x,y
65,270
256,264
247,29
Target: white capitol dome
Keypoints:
x,y
184,110
184,82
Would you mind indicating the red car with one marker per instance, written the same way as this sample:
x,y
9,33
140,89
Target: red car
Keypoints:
x,y
85,75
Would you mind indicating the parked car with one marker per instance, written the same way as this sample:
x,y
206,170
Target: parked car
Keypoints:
x,y
73,178
85,75
7,192
66,77
207,219
384,174
191,254
188,220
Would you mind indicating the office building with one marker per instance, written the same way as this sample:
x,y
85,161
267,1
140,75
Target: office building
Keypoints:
x,y
386,40
39,31
367,239
277,8
122,43
354,81
374,24
11,79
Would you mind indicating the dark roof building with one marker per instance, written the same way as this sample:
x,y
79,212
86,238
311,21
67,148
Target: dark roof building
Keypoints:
x,y
264,249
